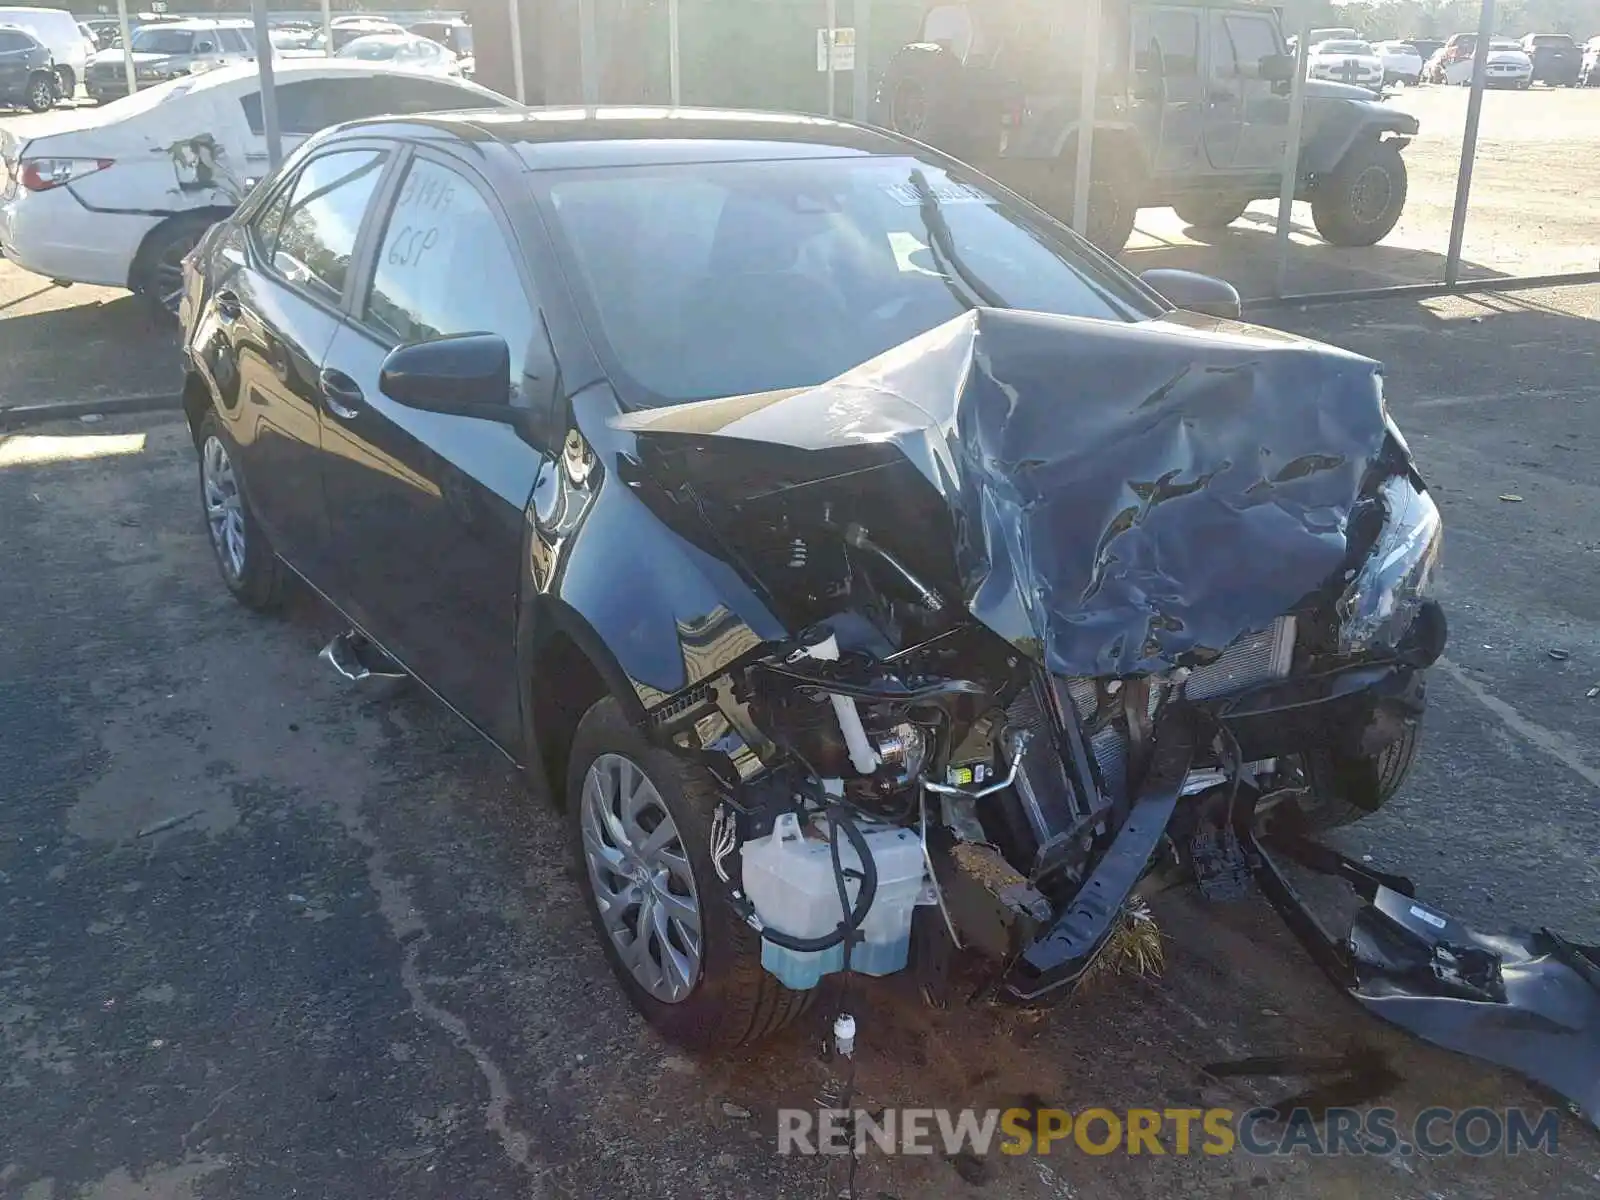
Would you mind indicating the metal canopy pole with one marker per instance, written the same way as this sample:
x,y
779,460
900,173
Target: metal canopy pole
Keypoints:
x,y
589,81
327,28
674,80
860,99
1291,151
833,27
1469,143
518,79
127,47
1086,116
269,89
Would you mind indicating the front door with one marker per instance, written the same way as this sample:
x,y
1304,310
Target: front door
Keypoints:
x,y
1265,108
266,330
1224,114
427,508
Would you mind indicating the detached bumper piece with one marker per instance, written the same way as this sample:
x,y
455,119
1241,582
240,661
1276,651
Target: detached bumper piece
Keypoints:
x,y
1526,1001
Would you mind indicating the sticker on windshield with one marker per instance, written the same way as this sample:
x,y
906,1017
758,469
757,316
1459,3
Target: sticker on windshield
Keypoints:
x,y
945,192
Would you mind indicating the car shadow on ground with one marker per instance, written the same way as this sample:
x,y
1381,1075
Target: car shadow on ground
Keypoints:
x,y
56,350
1245,254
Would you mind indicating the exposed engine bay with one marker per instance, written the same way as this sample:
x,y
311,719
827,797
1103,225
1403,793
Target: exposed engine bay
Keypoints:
x,y
1039,653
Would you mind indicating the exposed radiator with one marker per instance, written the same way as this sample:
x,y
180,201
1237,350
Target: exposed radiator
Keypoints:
x,y
1253,659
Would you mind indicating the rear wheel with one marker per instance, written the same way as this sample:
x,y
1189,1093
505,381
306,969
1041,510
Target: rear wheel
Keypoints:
x,y
1113,197
157,272
1360,200
41,91
1210,212
640,822
246,560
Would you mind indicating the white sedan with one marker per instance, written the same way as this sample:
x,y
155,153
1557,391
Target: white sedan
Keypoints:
x,y
403,50
1508,65
117,195
1401,62
1352,62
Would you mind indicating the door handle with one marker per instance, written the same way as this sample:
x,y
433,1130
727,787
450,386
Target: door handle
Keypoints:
x,y
228,307
340,393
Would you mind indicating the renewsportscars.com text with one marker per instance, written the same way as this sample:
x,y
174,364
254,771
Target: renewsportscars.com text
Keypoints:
x,y
1433,1132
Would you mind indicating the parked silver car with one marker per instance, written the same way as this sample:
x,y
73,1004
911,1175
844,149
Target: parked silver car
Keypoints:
x,y
170,50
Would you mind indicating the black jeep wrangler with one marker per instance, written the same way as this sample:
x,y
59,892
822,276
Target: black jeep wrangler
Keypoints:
x,y
1193,112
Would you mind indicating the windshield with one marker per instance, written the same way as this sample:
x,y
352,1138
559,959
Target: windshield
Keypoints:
x,y
1553,39
373,48
163,41
1343,48
721,279
1504,44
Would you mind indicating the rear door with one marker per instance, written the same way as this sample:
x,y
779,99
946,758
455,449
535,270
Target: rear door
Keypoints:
x,y
267,328
427,508
15,57
1169,87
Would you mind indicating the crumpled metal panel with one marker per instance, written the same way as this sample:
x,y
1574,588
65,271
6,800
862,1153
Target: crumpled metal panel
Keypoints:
x,y
1125,497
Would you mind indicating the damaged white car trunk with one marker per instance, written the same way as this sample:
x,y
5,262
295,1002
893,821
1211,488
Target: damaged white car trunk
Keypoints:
x,y
117,195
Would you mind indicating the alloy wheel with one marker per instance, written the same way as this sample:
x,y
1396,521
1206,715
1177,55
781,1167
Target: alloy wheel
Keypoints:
x,y
641,880
224,506
42,95
167,273
1370,195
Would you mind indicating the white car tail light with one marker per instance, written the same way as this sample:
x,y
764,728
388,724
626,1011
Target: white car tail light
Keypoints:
x,y
42,174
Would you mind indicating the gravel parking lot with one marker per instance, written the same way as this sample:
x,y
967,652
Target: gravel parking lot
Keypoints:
x,y
260,936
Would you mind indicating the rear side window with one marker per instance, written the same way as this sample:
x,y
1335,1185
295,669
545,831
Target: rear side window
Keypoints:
x,y
11,41
1166,42
1253,39
233,41
321,218
307,105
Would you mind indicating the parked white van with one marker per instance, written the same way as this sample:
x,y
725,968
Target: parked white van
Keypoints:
x,y
58,29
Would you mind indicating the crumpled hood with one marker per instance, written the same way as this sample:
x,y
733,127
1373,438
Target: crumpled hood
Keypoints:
x,y
1124,497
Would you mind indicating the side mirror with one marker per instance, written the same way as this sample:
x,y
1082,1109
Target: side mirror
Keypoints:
x,y
467,375
1277,68
205,48
1195,292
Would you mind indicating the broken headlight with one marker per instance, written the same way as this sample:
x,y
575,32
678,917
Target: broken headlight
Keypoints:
x,y
1383,599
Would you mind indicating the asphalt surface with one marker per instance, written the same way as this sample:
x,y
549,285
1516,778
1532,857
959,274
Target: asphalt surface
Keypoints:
x,y
260,936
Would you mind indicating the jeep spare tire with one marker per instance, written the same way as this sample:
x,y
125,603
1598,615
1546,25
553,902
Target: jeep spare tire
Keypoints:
x,y
924,95
1359,201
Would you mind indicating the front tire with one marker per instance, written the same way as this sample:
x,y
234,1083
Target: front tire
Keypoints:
x,y
640,828
1360,200
1328,805
248,565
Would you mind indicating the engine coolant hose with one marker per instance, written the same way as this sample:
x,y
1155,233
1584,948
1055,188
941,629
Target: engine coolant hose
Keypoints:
x,y
838,818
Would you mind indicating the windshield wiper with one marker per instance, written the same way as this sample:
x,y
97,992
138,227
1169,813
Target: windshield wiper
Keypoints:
x,y
944,245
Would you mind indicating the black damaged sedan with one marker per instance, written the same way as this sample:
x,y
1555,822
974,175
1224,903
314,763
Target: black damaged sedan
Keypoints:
x,y
867,565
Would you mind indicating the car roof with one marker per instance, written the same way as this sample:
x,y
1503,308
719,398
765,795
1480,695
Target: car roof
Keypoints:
x,y
562,138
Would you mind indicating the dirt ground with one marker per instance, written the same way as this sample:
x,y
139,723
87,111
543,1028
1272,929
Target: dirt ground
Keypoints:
x,y
260,937
1533,208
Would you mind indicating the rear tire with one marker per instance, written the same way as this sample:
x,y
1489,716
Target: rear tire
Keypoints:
x,y
1210,212
732,1000
1360,200
249,566
1113,198
41,91
157,272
